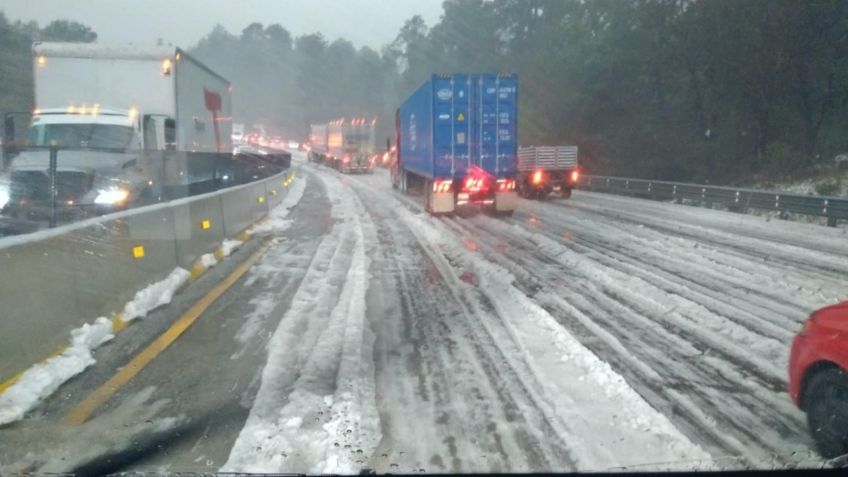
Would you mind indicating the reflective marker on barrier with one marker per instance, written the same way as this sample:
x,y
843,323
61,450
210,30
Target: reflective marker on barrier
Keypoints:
x,y
261,199
138,251
205,224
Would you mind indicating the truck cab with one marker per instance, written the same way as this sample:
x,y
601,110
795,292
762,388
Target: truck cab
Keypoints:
x,y
103,163
124,121
100,128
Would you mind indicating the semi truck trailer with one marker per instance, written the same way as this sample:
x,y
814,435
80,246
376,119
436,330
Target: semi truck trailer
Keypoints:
x,y
352,145
346,145
318,143
456,138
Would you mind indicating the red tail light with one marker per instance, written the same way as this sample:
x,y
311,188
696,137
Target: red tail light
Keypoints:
x,y
537,178
575,175
474,184
346,159
442,186
506,185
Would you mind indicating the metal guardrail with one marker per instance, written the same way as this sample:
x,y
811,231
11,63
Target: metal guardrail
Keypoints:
x,y
738,199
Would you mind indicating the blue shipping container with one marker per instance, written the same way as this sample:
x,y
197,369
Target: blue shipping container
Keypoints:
x,y
453,122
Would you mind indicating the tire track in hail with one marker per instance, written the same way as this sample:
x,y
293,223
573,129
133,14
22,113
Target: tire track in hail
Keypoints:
x,y
488,354
523,268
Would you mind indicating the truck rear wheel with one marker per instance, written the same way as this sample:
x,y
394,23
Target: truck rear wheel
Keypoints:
x,y
524,190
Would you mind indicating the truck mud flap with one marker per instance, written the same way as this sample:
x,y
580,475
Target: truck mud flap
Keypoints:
x,y
505,202
440,204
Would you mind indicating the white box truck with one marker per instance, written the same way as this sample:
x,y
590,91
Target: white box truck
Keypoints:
x,y
108,109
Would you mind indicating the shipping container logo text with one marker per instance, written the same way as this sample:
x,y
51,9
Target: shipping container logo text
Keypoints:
x,y
412,132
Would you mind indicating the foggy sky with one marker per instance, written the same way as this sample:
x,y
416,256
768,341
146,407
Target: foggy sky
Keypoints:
x,y
371,23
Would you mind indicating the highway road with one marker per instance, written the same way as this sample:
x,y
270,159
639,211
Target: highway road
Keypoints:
x,y
594,333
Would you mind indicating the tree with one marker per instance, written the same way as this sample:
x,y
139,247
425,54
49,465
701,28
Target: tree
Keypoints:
x,y
66,30
706,90
278,37
16,92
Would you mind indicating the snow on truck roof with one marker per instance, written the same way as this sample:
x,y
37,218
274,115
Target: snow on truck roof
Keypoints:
x,y
121,117
128,52
83,110
95,50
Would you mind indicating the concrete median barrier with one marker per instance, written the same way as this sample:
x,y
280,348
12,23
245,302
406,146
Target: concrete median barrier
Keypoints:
x,y
50,286
56,280
243,208
274,193
199,227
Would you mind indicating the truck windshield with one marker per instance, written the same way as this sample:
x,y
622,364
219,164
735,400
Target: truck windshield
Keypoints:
x,y
105,136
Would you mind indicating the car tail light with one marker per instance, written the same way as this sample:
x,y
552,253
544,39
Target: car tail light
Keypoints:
x,y
474,184
575,175
346,159
442,186
537,178
506,185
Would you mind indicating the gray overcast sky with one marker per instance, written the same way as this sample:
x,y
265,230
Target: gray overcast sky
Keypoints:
x,y
183,22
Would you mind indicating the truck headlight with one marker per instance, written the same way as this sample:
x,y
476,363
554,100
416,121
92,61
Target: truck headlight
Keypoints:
x,y
113,196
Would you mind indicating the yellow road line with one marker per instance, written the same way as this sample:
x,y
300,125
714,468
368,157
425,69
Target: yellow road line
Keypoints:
x,y
11,381
118,324
82,411
198,269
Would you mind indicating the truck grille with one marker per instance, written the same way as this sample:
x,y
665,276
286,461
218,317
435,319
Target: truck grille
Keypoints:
x,y
35,185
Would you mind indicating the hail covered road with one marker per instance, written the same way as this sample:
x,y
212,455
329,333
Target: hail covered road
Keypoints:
x,y
593,333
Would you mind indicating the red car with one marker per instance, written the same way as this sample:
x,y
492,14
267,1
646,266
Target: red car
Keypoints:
x,y
818,380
